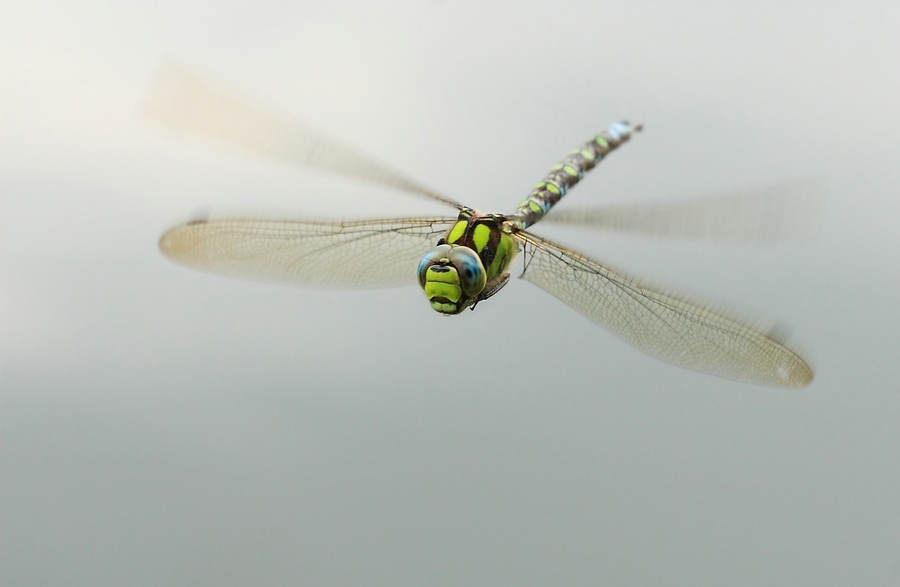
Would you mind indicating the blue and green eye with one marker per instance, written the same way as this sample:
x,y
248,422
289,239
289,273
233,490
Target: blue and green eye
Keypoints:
x,y
434,256
472,276
451,276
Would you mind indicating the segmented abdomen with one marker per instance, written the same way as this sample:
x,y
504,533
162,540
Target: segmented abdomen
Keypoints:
x,y
568,172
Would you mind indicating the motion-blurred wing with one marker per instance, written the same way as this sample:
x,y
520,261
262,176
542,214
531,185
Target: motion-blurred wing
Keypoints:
x,y
668,327
778,213
185,101
363,254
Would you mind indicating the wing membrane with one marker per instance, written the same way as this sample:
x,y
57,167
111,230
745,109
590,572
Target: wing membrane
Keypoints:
x,y
362,254
785,212
182,100
668,327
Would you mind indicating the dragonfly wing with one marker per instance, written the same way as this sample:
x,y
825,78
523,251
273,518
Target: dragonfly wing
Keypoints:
x,y
361,254
185,101
777,213
666,326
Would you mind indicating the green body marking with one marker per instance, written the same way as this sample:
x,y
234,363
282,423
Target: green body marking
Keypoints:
x,y
480,237
457,231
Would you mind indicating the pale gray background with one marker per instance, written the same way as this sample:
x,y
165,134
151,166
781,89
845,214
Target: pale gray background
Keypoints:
x,y
165,427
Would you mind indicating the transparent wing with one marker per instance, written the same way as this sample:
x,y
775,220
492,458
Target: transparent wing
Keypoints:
x,y
362,254
665,326
182,100
787,212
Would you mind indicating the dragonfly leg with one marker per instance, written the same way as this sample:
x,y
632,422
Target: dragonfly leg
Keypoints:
x,y
492,288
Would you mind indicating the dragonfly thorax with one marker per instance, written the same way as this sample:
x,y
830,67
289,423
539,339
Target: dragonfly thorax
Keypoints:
x,y
469,264
452,277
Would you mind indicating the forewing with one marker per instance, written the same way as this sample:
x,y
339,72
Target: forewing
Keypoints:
x,y
362,254
787,212
666,326
183,100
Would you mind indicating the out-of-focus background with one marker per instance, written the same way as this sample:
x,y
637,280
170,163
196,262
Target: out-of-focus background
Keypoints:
x,y
160,426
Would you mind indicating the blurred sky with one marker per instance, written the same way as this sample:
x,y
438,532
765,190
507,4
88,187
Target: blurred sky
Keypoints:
x,y
160,426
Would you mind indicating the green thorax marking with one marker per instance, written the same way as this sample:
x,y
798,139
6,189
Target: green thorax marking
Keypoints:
x,y
484,235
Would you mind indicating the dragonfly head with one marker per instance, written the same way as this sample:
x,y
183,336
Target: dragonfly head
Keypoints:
x,y
452,277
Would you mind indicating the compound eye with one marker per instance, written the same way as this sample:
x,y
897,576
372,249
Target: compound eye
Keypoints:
x,y
434,256
472,276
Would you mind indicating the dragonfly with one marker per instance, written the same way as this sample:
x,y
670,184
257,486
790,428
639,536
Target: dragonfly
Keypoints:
x,y
460,259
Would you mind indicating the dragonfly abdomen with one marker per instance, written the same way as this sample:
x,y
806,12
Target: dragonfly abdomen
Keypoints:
x,y
568,172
